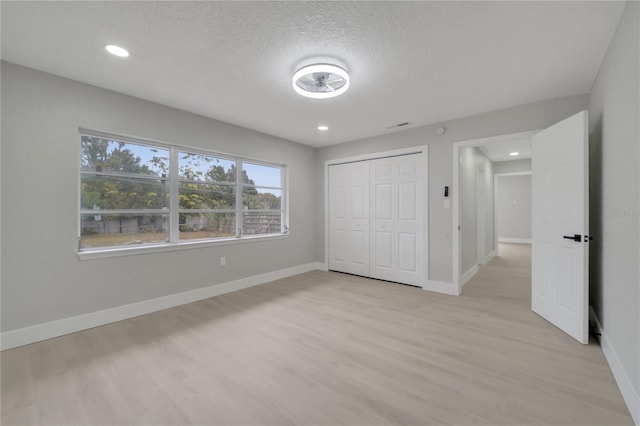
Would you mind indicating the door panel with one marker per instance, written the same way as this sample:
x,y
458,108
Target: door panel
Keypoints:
x,y
396,201
358,208
559,286
349,218
407,201
375,218
358,248
410,224
407,252
384,256
384,201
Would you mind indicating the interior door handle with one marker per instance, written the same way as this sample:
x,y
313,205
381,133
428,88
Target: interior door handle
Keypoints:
x,y
575,237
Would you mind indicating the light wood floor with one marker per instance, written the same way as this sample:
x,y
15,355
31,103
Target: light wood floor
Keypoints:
x,y
323,349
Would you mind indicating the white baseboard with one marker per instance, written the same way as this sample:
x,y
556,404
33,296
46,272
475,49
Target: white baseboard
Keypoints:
x,y
322,266
468,275
441,287
48,330
629,394
515,240
488,257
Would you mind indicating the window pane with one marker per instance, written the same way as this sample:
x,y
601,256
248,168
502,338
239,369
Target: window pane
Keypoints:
x,y
207,225
261,222
108,230
206,196
262,198
206,168
106,155
116,192
259,175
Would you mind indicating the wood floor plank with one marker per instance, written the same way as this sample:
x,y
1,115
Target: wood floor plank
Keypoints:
x,y
323,348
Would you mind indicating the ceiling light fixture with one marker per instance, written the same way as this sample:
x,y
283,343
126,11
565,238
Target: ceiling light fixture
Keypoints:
x,y
513,154
323,128
117,50
321,81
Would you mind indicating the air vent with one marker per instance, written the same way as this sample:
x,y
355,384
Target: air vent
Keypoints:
x,y
406,123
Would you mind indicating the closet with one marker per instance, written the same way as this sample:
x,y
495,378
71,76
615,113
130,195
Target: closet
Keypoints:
x,y
376,218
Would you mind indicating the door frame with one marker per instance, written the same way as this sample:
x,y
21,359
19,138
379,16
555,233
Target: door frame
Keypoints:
x,y
455,231
420,149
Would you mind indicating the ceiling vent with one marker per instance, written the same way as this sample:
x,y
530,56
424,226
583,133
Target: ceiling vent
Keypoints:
x,y
406,123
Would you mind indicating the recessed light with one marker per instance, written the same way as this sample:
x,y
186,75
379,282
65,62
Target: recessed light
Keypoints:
x,y
513,154
321,81
323,128
117,50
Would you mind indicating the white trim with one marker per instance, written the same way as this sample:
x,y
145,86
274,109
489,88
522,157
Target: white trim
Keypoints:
x,y
514,240
488,257
455,232
186,245
422,149
48,330
623,381
464,278
322,266
512,174
376,155
441,287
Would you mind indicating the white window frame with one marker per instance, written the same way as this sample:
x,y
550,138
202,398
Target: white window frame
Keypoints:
x,y
174,205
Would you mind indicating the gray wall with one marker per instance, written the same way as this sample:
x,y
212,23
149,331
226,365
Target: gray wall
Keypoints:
x,y
468,212
615,192
513,206
513,166
471,161
517,119
483,162
42,277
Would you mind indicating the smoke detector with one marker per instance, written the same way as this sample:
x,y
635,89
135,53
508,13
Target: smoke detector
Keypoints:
x,y
321,81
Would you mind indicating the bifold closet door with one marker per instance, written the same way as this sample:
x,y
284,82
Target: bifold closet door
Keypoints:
x,y
349,218
396,211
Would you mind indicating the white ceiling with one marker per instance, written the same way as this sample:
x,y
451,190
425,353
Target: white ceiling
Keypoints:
x,y
421,62
500,151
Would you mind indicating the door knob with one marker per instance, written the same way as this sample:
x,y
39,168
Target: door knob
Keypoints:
x,y
575,237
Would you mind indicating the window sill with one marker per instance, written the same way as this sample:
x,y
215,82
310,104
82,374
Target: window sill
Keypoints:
x,y
160,248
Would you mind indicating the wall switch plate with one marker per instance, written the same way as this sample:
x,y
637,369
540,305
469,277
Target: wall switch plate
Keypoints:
x,y
223,261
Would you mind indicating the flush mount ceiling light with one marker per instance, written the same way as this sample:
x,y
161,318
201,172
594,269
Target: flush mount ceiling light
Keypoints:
x,y
321,81
117,50
513,154
323,128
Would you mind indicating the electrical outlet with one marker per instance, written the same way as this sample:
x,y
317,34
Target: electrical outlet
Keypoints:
x,y
223,261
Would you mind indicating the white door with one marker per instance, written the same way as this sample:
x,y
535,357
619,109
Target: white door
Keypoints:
x,y
560,226
396,225
349,218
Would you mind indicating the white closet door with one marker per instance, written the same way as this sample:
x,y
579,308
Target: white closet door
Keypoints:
x,y
396,226
349,218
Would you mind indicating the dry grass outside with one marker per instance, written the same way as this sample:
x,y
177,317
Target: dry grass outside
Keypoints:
x,y
139,238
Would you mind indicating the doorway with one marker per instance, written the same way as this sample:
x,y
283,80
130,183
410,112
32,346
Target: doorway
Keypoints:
x,y
476,163
512,207
559,220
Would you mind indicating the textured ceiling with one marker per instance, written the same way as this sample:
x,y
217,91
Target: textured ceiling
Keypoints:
x,y
420,62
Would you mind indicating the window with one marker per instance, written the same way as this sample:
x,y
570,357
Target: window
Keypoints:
x,y
261,199
136,193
